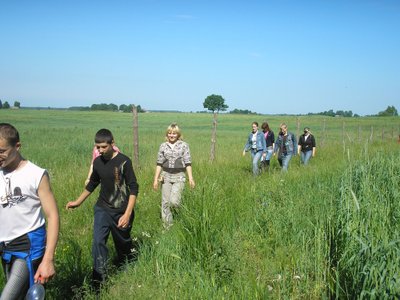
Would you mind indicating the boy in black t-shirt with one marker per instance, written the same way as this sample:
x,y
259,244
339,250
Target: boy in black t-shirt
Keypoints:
x,y
114,209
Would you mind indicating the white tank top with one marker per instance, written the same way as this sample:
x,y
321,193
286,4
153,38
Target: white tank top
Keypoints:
x,y
20,208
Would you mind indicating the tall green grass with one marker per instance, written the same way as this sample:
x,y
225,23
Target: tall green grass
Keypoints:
x,y
289,236
367,232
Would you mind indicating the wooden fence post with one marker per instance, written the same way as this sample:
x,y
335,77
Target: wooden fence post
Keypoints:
x,y
372,134
135,137
213,137
343,133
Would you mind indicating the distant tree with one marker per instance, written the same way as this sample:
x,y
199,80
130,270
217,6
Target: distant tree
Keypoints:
x,y
140,109
123,108
214,103
330,113
17,104
112,107
390,111
6,105
1,104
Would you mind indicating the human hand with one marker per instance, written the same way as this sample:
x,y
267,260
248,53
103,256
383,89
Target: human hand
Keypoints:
x,y
72,204
155,184
45,272
123,221
191,183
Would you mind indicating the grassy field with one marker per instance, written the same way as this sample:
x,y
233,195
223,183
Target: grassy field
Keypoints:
x,y
328,230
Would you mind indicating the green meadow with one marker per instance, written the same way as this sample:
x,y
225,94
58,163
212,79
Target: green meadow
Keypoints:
x,y
328,230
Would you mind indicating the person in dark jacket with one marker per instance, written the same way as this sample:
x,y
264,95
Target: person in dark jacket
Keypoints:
x,y
270,142
306,146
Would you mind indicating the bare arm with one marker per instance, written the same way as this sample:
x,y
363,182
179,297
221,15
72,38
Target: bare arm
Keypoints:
x,y
46,268
79,200
156,176
190,175
89,174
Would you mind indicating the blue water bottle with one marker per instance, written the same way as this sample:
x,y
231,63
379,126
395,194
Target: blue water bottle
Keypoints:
x,y
35,292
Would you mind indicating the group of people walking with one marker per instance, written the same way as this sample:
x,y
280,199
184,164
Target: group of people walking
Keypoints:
x,y
27,250
263,145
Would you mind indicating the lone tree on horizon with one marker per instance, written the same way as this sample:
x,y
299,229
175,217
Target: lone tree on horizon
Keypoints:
x,y
214,103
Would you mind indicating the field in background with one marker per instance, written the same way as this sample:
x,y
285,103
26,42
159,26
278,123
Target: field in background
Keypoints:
x,y
328,230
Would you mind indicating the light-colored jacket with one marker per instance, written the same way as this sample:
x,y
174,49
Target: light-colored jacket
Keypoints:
x,y
260,142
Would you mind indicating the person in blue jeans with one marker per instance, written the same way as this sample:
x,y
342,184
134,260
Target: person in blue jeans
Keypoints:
x,y
257,147
270,141
306,147
285,147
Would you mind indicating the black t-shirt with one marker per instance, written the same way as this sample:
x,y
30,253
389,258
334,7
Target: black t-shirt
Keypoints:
x,y
117,180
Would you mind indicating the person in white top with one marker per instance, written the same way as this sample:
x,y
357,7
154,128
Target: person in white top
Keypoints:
x,y
27,252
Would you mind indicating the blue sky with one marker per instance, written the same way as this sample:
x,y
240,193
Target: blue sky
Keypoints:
x,y
269,57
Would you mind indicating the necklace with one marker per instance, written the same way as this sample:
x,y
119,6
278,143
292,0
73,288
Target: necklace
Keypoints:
x,y
7,194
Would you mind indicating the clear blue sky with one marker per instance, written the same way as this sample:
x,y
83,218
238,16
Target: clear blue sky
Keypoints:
x,y
266,56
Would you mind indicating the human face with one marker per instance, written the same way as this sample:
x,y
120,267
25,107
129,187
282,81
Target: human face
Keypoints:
x,y
254,128
172,136
8,155
106,150
284,129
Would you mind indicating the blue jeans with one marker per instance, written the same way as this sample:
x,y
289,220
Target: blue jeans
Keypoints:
x,y
305,156
255,156
284,161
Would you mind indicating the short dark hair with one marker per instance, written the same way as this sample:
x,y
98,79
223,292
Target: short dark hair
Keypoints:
x,y
104,136
9,133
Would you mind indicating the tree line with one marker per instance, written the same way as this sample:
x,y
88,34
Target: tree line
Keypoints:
x,y
6,105
108,107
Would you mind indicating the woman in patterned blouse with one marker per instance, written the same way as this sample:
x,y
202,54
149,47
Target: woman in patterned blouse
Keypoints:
x,y
173,162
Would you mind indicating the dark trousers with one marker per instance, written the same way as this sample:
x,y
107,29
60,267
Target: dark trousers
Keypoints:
x,y
106,221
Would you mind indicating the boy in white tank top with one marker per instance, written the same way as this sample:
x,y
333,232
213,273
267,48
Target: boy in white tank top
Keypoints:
x,y
27,252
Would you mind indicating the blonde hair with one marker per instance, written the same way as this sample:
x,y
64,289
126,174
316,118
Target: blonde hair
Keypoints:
x,y
173,127
282,125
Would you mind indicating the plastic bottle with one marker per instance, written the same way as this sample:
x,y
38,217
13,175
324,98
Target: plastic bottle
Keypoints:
x,y
35,292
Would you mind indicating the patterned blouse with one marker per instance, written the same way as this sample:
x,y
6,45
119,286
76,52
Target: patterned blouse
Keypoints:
x,y
174,158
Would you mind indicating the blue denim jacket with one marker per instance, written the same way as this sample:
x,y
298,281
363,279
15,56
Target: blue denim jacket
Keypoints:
x,y
291,144
260,142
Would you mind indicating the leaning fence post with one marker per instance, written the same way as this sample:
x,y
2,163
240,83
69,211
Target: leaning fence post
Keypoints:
x,y
343,133
372,134
135,137
323,133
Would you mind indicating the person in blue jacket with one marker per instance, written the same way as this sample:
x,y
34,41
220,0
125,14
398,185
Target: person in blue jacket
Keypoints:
x,y
257,146
285,146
